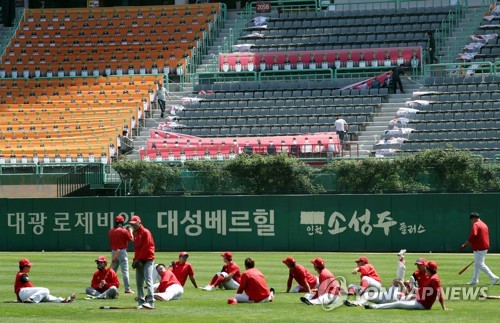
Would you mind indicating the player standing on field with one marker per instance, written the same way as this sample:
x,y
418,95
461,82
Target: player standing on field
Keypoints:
x,y
143,262
307,281
479,240
119,237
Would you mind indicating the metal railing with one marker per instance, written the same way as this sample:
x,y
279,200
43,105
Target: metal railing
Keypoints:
x,y
306,74
85,176
458,69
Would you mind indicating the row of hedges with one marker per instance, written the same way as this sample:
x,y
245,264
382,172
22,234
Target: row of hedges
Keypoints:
x,y
427,171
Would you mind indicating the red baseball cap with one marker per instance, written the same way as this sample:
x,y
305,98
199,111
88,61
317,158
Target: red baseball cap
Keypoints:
x,y
25,262
364,259
318,262
183,254
421,261
432,266
101,259
135,219
232,301
227,255
119,218
289,261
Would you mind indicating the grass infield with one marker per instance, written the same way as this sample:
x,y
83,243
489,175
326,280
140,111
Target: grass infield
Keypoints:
x,y
67,272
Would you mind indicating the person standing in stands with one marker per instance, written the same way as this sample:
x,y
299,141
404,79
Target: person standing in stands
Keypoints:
x,y
161,96
431,48
396,77
341,127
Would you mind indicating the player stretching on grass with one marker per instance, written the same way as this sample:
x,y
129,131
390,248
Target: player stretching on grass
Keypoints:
x,y
332,291
26,292
425,297
253,283
169,288
369,277
307,281
229,277
183,269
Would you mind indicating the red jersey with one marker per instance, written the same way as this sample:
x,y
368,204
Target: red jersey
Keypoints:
x,y
22,281
144,244
427,293
119,238
100,275
233,268
254,284
369,270
302,276
421,277
326,275
182,272
479,237
167,279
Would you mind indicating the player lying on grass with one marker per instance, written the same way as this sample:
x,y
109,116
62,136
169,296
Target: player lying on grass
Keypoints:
x,y
26,292
425,296
254,284
228,277
329,288
169,288
307,281
104,283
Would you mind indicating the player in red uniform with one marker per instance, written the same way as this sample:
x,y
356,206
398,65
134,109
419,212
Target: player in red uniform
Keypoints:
x,y
26,292
420,275
329,288
425,297
104,283
307,281
143,262
229,277
119,237
169,288
253,283
479,240
183,269
368,274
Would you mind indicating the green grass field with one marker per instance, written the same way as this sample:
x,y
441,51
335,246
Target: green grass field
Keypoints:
x,y
65,272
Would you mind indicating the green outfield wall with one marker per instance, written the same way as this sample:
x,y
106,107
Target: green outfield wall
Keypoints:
x,y
417,222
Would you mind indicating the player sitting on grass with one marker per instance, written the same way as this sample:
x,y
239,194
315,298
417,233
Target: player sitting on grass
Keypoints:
x,y
169,288
329,288
104,283
183,269
26,292
228,277
397,291
307,281
369,277
253,283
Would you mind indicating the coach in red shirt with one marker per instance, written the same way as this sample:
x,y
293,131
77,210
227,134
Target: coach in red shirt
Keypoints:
x,y
479,240
119,237
253,283
143,262
307,281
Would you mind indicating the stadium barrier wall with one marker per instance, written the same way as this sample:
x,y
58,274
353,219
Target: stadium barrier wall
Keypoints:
x,y
377,223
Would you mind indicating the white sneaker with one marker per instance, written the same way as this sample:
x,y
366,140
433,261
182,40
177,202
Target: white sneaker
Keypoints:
x,y
401,253
148,305
472,283
209,287
494,281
